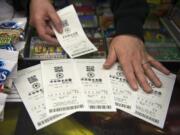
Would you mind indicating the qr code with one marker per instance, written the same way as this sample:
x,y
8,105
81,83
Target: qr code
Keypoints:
x,y
32,79
90,68
65,23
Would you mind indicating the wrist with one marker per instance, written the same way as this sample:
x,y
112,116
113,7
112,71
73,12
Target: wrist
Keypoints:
x,y
130,36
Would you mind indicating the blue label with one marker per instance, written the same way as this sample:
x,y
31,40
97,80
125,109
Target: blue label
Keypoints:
x,y
1,63
3,75
9,25
7,47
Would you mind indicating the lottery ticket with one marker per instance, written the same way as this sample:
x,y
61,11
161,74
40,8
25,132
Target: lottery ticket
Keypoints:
x,y
150,107
62,87
1,116
73,39
3,97
123,94
96,84
29,86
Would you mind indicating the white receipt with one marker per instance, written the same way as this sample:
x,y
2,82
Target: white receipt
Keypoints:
x,y
73,39
62,87
3,97
96,83
124,96
149,107
29,86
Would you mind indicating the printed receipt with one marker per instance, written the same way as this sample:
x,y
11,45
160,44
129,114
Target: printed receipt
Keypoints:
x,y
73,39
29,86
149,107
96,84
62,87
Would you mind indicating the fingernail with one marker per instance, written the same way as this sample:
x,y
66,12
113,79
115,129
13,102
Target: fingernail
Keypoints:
x,y
135,87
106,65
159,84
168,72
61,30
150,90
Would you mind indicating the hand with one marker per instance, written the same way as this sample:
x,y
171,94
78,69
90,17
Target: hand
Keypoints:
x,y
136,62
41,14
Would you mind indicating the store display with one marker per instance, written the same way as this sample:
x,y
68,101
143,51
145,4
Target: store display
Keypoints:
x,y
42,50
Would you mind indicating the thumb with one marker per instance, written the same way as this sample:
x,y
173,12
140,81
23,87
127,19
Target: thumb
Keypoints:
x,y
111,59
55,20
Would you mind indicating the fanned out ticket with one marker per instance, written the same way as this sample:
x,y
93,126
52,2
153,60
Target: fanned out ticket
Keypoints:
x,y
149,107
1,116
73,39
3,97
29,86
96,84
62,87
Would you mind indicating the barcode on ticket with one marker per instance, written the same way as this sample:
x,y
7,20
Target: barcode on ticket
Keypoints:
x,y
123,105
147,117
82,52
100,107
47,120
66,108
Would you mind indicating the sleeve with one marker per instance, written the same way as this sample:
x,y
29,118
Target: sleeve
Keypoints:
x,y
129,16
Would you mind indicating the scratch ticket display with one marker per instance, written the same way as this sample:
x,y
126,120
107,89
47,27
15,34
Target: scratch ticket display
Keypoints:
x,y
88,21
149,107
96,84
73,39
29,86
62,87
42,50
9,36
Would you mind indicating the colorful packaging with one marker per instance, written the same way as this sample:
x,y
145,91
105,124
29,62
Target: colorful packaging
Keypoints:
x,y
6,68
42,50
9,25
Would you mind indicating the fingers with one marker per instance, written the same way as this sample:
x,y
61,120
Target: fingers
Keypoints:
x,y
129,72
49,31
111,59
55,20
45,32
151,75
160,67
140,75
